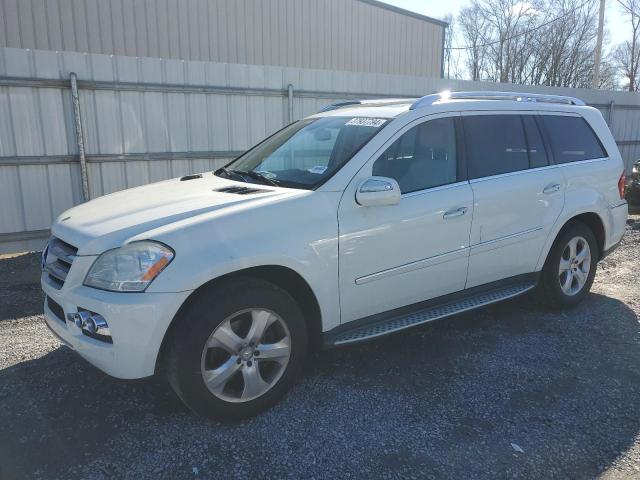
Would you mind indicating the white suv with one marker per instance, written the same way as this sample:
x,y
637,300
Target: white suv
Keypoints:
x,y
365,219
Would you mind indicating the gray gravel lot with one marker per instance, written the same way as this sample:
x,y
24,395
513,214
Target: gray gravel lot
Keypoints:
x,y
447,399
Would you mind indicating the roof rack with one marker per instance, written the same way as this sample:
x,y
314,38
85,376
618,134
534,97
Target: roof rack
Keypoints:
x,y
429,100
367,102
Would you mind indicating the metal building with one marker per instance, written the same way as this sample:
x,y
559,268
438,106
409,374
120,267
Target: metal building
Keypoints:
x,y
348,35
171,87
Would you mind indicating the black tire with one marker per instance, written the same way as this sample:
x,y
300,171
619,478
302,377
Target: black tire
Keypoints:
x,y
197,321
549,290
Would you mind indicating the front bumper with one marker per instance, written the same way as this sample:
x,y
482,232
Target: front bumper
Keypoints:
x,y
137,322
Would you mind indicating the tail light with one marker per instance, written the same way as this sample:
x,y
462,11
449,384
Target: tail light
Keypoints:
x,y
621,185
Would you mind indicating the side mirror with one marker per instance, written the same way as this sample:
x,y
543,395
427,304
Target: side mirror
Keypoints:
x,y
377,191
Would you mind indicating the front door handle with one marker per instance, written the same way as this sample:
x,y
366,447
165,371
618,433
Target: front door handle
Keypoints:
x,y
458,212
552,188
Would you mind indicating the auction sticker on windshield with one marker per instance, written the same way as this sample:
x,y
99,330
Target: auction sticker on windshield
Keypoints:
x,y
366,122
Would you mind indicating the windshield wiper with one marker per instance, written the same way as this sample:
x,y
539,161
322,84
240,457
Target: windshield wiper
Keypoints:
x,y
259,176
231,173
253,174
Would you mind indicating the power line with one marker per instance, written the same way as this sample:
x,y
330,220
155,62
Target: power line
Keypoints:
x,y
538,27
629,9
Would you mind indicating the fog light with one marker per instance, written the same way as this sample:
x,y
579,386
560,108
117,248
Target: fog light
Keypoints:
x,y
81,319
92,324
99,325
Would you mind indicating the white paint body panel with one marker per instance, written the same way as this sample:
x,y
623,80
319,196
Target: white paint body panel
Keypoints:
x,y
358,261
402,254
137,323
512,218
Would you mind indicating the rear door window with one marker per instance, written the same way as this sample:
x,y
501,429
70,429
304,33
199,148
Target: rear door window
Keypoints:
x,y
571,139
495,144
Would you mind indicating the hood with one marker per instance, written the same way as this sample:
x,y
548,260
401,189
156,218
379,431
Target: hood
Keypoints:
x,y
109,221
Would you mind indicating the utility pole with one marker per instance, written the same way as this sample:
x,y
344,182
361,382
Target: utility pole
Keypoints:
x,y
596,63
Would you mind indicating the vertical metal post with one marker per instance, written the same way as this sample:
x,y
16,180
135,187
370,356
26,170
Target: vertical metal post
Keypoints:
x,y
77,120
612,105
442,56
596,64
290,102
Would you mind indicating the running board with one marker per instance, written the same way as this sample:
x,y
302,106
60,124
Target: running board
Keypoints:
x,y
442,310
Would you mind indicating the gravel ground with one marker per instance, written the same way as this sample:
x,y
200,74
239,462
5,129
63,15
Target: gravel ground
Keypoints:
x,y
512,391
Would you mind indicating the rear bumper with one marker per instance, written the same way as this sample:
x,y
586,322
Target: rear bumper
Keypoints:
x,y
617,226
137,322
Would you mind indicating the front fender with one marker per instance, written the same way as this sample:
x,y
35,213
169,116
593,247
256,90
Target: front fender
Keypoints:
x,y
300,235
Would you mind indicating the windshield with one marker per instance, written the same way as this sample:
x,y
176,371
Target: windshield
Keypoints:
x,y
306,153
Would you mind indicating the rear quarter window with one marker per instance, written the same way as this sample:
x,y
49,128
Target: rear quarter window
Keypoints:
x,y
571,139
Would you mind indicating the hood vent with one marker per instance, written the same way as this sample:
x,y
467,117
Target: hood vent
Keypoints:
x,y
190,177
241,190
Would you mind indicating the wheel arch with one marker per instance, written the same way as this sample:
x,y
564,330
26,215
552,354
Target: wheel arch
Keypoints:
x,y
592,220
596,225
284,277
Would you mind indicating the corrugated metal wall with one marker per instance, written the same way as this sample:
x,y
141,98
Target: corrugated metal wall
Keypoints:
x,y
147,119
350,35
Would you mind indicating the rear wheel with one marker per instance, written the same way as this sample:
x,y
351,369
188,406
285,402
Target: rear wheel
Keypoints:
x,y
237,349
570,268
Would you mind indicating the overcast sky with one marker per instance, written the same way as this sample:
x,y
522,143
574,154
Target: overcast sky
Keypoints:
x,y
616,23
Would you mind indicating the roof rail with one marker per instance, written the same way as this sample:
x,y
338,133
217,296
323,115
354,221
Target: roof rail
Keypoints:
x,y
370,102
428,100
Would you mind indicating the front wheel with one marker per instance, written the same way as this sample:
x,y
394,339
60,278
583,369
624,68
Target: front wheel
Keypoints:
x,y
570,268
237,349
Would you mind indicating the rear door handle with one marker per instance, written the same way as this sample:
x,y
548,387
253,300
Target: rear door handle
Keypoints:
x,y
458,212
554,187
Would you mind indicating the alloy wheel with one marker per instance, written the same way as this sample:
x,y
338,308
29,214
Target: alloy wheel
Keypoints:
x,y
575,265
246,355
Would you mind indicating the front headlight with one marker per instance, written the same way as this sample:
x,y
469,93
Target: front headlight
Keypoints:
x,y
130,268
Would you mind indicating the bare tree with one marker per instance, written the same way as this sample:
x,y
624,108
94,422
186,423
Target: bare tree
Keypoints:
x,y
448,44
608,75
518,42
473,26
627,54
566,53
509,22
451,67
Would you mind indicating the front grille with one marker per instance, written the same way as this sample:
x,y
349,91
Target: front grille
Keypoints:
x,y
58,260
56,309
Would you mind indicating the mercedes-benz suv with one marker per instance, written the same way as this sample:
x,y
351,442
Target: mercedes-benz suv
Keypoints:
x,y
367,218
